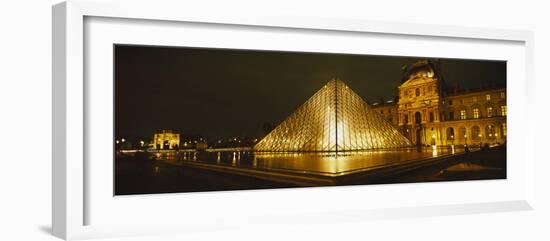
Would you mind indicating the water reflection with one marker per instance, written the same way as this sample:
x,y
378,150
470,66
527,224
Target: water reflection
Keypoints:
x,y
327,163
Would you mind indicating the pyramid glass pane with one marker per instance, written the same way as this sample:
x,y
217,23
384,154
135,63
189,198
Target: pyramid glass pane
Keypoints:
x,y
333,119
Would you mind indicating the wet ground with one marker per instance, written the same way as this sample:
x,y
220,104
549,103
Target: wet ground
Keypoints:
x,y
141,173
481,165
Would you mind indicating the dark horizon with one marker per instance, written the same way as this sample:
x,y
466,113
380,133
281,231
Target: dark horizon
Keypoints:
x,y
221,93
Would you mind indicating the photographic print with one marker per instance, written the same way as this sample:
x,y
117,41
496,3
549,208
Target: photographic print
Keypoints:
x,y
205,119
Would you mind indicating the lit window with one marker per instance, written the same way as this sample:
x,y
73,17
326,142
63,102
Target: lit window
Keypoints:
x,y
476,113
504,129
488,97
489,111
503,110
502,95
462,114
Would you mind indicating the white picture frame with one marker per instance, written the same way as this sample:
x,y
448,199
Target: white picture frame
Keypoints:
x,y
71,189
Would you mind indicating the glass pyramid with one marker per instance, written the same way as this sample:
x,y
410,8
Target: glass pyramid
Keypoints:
x,y
334,119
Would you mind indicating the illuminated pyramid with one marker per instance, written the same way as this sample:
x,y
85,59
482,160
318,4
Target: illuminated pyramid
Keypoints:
x,y
334,119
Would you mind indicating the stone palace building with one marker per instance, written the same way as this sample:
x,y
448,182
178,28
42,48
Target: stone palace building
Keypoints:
x,y
429,112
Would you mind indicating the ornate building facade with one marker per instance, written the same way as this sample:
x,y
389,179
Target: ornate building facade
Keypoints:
x,y
428,112
166,139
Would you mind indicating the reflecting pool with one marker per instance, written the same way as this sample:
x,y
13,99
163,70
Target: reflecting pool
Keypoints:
x,y
321,163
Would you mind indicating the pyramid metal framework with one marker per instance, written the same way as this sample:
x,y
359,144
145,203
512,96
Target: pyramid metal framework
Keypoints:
x,y
334,119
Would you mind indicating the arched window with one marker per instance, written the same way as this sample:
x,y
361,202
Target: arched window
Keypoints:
x,y
450,134
476,133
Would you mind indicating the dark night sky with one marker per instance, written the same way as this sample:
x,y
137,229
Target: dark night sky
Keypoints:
x,y
223,93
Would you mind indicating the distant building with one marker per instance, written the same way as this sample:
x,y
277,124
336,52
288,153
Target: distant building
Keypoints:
x,y
201,145
428,112
166,139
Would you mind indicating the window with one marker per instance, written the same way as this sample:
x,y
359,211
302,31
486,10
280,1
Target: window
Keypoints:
x,y
503,110
417,92
474,99
463,114
431,117
489,111
502,95
504,129
476,113
450,102
451,116
488,97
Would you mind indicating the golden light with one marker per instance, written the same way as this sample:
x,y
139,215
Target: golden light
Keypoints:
x,y
334,119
